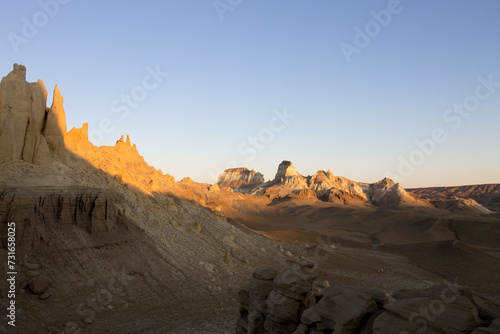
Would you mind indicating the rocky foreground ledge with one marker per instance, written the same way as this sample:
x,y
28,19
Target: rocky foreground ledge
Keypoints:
x,y
291,302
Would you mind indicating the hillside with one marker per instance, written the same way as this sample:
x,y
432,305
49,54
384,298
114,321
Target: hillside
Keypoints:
x,y
485,194
116,238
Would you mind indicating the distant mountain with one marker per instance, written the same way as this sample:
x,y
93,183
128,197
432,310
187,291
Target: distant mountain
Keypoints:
x,y
325,186
241,179
289,183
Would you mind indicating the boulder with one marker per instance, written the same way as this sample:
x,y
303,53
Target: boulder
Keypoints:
x,y
295,283
285,303
344,310
38,285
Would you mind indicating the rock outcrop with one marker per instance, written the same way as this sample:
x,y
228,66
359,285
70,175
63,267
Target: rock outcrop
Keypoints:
x,y
336,189
240,179
274,301
253,301
122,161
30,131
291,306
36,214
388,193
289,183
55,125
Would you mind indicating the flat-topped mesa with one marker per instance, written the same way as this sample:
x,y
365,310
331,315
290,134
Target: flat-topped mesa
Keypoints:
x,y
29,130
240,179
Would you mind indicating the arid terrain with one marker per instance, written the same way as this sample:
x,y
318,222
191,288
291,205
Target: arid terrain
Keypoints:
x,y
106,243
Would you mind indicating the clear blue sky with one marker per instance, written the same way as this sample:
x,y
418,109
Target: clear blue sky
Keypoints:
x,y
228,77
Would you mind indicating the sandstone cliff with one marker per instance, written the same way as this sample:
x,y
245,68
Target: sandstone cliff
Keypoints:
x,y
30,131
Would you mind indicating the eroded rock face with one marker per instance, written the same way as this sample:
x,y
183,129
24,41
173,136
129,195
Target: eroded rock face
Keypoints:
x,y
253,302
344,310
288,175
55,126
388,193
240,178
28,130
37,213
289,298
274,302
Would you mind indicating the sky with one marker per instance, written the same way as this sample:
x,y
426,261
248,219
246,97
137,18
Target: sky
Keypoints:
x,y
369,89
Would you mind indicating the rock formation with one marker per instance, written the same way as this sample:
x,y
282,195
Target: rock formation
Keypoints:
x,y
388,193
273,302
291,306
289,183
28,130
253,301
241,179
55,125
36,214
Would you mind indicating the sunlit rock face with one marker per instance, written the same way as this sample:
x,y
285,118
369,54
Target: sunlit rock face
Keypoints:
x,y
55,126
327,187
30,131
240,179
